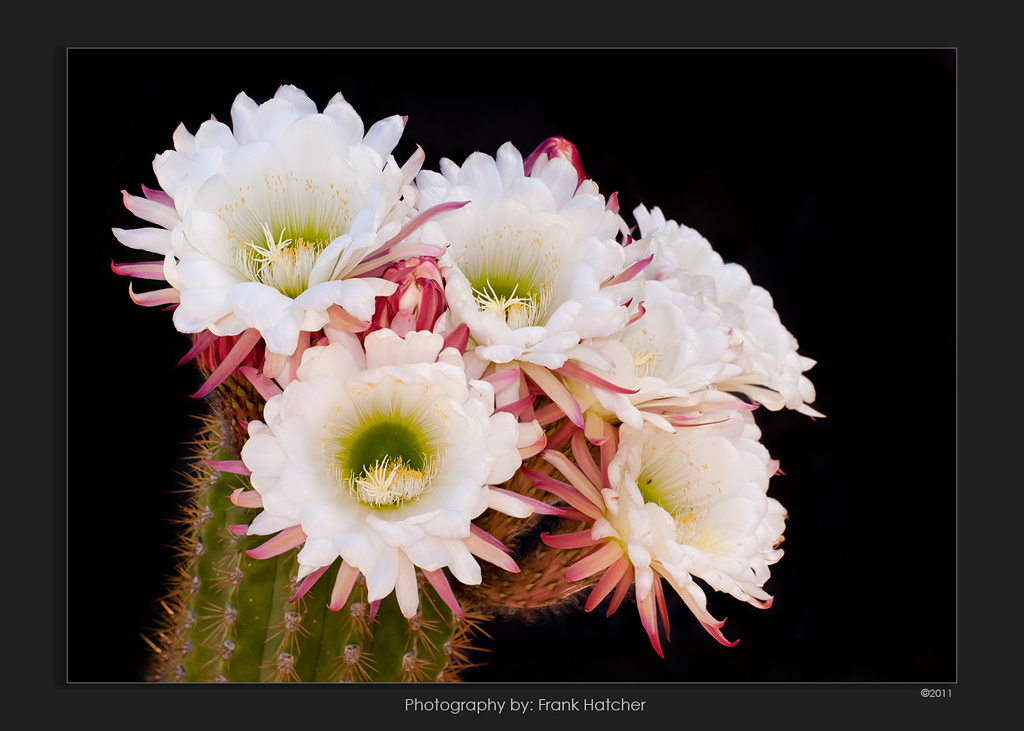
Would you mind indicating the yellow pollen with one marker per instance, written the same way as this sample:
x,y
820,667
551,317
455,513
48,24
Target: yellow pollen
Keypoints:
x,y
390,483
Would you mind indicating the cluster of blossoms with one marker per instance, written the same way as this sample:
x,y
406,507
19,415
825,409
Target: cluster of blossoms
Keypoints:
x,y
428,341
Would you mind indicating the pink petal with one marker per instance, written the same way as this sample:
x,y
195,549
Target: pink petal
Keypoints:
x,y
649,618
141,270
567,493
422,218
458,338
553,387
575,476
594,561
234,466
158,196
579,539
561,433
285,540
307,583
246,498
487,537
440,583
246,342
537,505
503,379
659,598
264,386
169,296
581,374
613,202
149,210
630,272
342,320
517,408
621,590
412,165
202,342
584,460
609,580
347,575
485,549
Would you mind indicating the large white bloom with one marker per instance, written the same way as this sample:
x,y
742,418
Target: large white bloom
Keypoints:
x,y
667,361
528,259
275,215
772,369
673,506
693,504
383,459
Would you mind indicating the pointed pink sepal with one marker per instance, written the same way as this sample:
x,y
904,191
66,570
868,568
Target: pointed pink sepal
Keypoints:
x,y
613,203
609,581
440,583
158,196
246,498
203,341
579,539
263,385
307,583
342,320
458,338
554,389
347,575
517,408
234,466
629,272
595,561
621,590
581,374
649,618
716,632
168,296
538,506
567,492
238,530
143,270
285,540
485,546
242,347
422,218
487,537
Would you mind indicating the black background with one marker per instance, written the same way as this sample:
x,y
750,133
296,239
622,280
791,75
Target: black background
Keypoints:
x,y
831,175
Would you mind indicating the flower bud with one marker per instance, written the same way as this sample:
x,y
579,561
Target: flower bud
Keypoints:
x,y
556,147
418,301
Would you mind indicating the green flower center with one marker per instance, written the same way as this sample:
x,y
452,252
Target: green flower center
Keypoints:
x,y
519,308
385,460
511,272
278,241
384,439
284,264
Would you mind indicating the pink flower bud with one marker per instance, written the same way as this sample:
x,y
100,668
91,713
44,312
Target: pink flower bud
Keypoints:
x,y
556,147
418,301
